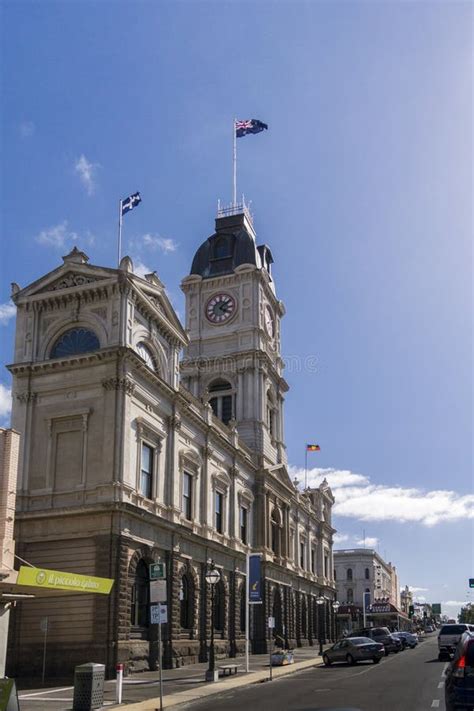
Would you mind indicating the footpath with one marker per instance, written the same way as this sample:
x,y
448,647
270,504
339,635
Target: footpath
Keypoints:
x,y
180,686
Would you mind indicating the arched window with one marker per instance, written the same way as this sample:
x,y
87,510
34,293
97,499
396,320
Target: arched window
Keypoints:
x,y
139,608
221,400
74,342
271,414
275,531
304,616
219,602
186,600
367,574
349,574
367,590
350,595
145,353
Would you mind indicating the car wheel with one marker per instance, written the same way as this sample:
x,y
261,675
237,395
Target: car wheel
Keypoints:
x,y
376,660
326,660
350,659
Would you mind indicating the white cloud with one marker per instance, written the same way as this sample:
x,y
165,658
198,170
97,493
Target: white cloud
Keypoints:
x,y
5,401
420,598
87,172
7,311
139,268
26,129
164,244
414,589
61,237
357,497
340,537
367,541
454,603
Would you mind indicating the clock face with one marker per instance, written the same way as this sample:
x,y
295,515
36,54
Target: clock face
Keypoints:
x,y
220,308
269,322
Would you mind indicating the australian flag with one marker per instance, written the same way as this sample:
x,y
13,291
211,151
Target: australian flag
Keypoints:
x,y
129,203
248,126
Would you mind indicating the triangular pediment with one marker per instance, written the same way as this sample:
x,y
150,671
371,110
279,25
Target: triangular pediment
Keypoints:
x,y
66,277
280,473
157,296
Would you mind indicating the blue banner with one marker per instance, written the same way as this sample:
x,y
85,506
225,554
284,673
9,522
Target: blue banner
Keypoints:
x,y
255,582
367,601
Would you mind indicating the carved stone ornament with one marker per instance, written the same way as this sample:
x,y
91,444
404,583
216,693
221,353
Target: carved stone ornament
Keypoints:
x,y
174,422
124,384
71,280
26,396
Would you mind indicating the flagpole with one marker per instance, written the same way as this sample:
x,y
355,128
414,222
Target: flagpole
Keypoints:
x,y
234,195
119,233
306,467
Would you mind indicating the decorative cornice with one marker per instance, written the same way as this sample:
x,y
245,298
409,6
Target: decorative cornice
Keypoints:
x,y
125,384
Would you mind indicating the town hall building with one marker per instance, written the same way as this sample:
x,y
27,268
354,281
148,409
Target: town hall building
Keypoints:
x,y
145,441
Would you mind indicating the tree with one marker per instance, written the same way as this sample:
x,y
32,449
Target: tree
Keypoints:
x,y
467,614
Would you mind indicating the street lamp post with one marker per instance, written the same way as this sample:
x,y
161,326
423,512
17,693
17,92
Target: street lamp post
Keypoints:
x,y
212,578
335,607
320,601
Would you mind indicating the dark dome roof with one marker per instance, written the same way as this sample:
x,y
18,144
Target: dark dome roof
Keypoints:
x,y
231,245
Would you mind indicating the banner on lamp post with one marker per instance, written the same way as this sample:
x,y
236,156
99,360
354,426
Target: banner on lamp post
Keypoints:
x,y
255,579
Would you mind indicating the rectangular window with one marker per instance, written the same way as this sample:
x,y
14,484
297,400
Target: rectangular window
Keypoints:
x,y
219,509
302,555
326,566
146,471
187,495
313,561
226,409
243,524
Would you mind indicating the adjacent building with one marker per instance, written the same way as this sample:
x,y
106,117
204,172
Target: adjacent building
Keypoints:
x,y
363,570
145,441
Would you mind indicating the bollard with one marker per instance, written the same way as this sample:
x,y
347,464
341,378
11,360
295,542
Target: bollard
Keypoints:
x,y
119,682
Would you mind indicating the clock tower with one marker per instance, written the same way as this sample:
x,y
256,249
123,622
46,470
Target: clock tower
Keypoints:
x,y
233,318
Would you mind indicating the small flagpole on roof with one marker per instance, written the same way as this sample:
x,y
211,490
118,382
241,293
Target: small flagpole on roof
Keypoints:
x,y
119,248
306,467
234,194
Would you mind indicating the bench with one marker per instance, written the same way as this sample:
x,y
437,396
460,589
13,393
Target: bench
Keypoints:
x,y
229,669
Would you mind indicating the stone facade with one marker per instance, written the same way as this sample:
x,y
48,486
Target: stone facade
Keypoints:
x,y
125,461
359,570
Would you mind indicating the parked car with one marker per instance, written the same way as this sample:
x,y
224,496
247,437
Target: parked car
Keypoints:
x,y
407,639
382,635
449,636
353,650
459,680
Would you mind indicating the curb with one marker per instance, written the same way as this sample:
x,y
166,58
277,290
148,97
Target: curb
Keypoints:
x,y
203,692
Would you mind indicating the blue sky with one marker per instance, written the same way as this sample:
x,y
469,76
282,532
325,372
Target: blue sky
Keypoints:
x,y
362,186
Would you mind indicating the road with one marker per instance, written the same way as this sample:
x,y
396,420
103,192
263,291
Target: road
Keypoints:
x,y
408,681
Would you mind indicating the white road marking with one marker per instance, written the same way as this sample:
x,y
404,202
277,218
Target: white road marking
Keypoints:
x,y
435,704
42,698
441,684
42,693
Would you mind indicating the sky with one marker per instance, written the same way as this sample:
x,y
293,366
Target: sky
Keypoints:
x,y
362,187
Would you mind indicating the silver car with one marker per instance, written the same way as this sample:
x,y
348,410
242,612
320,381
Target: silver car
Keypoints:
x,y
353,650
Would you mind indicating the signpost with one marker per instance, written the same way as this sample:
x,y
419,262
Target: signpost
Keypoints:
x,y
436,608
471,582
157,571
271,626
158,610
158,591
44,625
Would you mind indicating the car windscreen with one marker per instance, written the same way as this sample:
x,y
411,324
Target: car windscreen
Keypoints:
x,y
361,640
452,629
380,630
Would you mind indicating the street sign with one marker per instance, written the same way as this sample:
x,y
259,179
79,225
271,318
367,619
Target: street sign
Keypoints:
x,y
158,591
158,571
471,582
44,624
436,608
271,623
158,614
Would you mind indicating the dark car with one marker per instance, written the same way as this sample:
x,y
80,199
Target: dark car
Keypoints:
x,y
353,650
459,681
407,639
381,635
